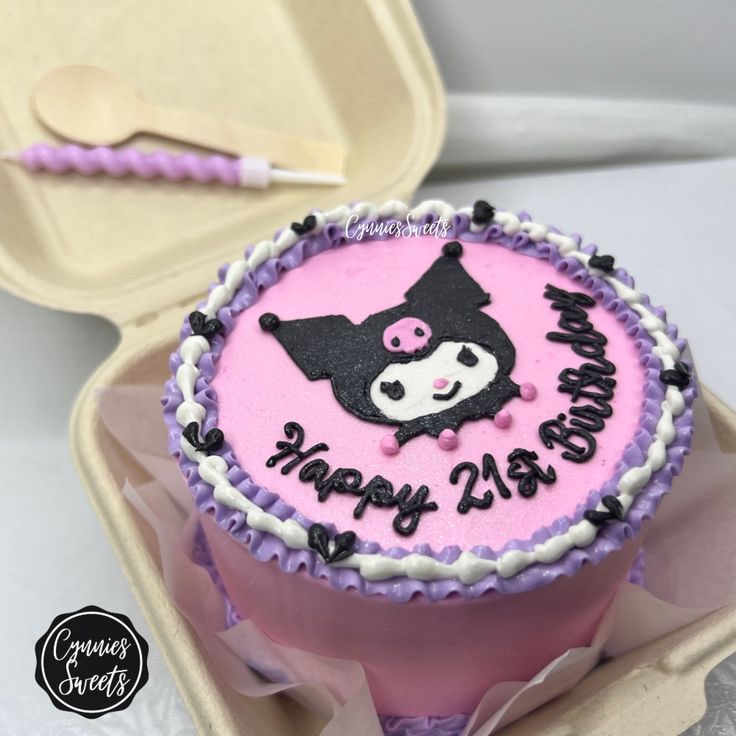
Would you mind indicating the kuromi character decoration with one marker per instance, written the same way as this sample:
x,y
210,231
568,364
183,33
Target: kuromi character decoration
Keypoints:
x,y
424,366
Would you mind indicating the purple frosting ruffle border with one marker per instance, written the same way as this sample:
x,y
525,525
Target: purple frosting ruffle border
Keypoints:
x,y
265,546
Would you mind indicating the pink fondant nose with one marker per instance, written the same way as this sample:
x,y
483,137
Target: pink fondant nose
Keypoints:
x,y
440,382
407,335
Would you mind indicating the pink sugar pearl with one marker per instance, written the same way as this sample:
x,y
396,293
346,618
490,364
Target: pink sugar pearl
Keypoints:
x,y
528,391
448,439
389,445
502,419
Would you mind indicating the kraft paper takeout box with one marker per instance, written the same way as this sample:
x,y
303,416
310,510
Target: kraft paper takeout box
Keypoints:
x,y
141,254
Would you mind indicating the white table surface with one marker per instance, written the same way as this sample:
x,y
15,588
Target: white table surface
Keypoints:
x,y
671,225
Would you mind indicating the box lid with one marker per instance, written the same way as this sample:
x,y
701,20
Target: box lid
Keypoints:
x,y
358,73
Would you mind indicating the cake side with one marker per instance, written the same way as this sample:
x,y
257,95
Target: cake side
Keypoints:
x,y
274,529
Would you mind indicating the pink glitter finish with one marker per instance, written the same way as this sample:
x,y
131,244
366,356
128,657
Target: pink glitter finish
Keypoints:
x,y
130,162
408,335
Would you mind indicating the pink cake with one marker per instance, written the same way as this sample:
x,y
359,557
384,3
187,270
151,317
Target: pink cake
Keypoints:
x,y
428,440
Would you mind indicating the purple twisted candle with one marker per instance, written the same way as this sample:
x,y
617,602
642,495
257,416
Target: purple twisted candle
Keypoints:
x,y
249,171
131,162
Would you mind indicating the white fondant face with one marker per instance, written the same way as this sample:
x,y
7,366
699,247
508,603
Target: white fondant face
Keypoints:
x,y
405,391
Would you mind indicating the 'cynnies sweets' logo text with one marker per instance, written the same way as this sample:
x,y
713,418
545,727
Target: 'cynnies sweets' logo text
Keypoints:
x,y
407,228
91,662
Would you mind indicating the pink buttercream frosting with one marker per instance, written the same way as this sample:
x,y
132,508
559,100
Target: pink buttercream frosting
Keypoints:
x,y
257,397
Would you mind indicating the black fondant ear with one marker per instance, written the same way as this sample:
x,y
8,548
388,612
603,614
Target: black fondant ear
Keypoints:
x,y
447,282
317,344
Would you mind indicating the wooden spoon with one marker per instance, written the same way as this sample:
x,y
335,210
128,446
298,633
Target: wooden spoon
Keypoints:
x,y
96,107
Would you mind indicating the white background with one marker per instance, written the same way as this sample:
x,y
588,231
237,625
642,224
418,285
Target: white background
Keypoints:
x,y
669,223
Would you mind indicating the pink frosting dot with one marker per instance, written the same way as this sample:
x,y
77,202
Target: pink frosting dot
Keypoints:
x,y
448,439
389,445
440,382
528,391
502,419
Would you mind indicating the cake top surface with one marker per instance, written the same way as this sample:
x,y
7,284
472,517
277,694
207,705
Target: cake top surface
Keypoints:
x,y
464,399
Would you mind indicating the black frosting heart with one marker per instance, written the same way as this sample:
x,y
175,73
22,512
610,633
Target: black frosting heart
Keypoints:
x,y
344,546
212,442
482,212
615,511
678,376
302,228
602,263
318,539
614,507
207,328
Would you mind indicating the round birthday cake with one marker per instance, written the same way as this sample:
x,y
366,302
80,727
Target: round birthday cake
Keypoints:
x,y
429,440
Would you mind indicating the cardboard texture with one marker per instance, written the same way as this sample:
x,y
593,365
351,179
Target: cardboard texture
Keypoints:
x,y
96,107
140,254
126,249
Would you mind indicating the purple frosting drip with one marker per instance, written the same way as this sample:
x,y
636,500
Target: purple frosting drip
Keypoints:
x,y
265,546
